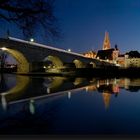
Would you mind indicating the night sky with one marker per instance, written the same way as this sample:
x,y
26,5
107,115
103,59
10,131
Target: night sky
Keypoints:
x,y
83,24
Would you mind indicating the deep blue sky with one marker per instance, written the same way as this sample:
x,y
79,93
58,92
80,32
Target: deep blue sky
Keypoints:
x,y
83,24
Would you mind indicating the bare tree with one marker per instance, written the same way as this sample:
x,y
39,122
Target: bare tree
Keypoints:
x,y
30,15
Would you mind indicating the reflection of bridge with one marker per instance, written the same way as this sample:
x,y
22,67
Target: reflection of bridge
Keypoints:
x,y
26,89
23,91
32,56
50,87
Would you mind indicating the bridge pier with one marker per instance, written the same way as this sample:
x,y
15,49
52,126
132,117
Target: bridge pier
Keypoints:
x,y
32,56
36,67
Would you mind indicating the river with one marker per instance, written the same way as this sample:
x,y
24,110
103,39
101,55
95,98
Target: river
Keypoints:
x,y
69,106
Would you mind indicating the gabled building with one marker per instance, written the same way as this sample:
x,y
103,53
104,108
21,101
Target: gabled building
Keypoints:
x,y
105,54
108,53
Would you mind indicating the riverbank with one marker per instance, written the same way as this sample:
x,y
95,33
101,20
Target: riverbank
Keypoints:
x,y
91,72
109,72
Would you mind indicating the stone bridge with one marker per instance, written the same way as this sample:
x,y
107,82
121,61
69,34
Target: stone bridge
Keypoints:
x,y
33,56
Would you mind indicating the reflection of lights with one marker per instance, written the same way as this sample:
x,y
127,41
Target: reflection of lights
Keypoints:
x,y
3,48
69,94
115,81
107,82
98,84
4,103
48,90
32,107
116,89
86,89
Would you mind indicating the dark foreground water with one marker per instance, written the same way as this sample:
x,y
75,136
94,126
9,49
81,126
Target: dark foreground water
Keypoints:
x,y
60,105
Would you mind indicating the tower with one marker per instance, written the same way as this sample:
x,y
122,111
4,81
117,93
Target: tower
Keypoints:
x,y
106,44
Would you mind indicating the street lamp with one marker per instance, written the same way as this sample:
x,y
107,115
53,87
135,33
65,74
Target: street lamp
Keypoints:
x,y
69,50
31,39
3,48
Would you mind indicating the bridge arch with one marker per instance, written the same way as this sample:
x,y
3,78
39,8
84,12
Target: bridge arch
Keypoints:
x,y
79,64
56,61
23,64
93,64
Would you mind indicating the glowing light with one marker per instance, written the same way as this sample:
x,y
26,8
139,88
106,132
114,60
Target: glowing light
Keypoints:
x,y
31,39
69,50
107,82
69,94
48,90
44,67
98,84
4,103
86,89
3,48
32,107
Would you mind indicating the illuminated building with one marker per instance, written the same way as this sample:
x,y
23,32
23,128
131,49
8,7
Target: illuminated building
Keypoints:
x,y
108,53
132,62
105,54
121,60
90,54
132,59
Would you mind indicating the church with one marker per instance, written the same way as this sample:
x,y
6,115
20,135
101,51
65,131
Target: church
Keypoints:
x,y
108,53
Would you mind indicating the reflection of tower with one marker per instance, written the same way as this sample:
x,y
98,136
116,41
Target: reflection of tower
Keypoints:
x,y
4,102
32,106
106,98
106,44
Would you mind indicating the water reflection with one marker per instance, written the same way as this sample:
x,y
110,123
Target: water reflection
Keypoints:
x,y
32,88
36,97
22,83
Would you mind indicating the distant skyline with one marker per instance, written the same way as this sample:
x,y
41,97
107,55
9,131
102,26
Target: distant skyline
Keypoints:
x,y
83,24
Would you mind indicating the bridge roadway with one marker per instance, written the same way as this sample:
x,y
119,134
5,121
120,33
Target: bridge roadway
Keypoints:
x,y
32,56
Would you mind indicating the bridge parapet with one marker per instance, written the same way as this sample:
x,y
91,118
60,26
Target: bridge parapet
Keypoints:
x,y
33,56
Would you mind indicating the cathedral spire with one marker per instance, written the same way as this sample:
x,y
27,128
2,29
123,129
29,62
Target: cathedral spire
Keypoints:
x,y
106,44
